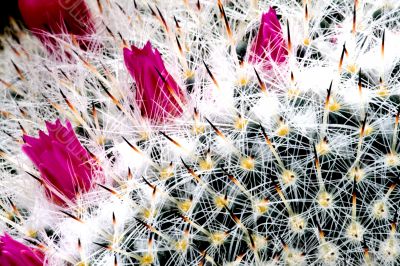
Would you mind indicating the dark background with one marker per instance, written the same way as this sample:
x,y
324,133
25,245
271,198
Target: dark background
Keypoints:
x,y
8,9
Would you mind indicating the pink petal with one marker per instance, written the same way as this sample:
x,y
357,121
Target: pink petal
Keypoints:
x,y
155,96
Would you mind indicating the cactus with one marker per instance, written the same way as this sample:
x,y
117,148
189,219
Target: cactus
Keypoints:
x,y
290,159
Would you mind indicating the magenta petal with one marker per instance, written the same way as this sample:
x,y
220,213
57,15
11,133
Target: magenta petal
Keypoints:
x,y
30,258
8,259
158,98
52,180
67,137
14,253
58,160
269,45
31,153
61,160
57,16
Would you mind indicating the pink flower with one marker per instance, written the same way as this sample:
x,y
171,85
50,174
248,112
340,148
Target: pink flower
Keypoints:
x,y
157,93
269,44
63,163
14,253
57,16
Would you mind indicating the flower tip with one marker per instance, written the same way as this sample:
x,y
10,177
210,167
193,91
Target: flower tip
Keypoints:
x,y
148,45
157,93
126,51
146,50
271,10
269,45
61,160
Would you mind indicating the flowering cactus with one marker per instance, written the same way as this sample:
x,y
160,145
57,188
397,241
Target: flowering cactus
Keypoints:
x,y
13,253
270,156
157,94
65,166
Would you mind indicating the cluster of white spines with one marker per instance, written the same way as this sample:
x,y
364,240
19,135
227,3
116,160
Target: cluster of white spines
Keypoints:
x,y
291,175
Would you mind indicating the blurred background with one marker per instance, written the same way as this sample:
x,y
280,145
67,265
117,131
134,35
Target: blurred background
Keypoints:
x,y
8,9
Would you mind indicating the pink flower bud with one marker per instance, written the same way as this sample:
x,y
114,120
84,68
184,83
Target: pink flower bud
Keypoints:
x,y
14,253
157,93
57,16
63,163
269,44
